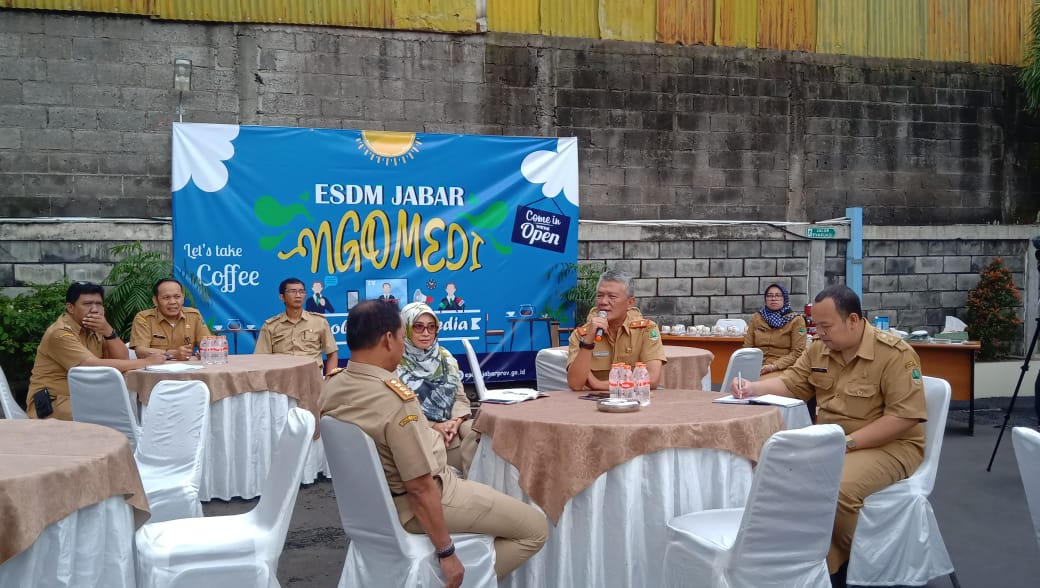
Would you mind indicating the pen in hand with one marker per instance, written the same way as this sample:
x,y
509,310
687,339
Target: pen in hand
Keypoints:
x,y
740,386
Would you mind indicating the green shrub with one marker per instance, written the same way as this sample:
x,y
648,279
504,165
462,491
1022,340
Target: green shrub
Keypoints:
x,y
992,305
23,320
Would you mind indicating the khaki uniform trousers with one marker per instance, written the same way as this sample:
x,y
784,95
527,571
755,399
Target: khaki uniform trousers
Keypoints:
x,y
519,530
463,447
866,471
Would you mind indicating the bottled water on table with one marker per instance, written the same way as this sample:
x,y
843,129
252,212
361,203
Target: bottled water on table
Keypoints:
x,y
222,350
642,378
206,350
628,385
615,380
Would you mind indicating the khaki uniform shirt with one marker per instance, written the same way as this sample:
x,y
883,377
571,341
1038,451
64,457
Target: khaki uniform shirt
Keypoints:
x,y
153,331
638,339
65,345
308,337
883,379
780,347
407,446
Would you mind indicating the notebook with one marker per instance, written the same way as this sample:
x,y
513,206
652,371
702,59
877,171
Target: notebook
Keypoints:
x,y
502,396
763,399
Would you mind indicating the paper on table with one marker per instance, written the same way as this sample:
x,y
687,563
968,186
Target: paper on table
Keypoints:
x,y
772,399
511,395
173,368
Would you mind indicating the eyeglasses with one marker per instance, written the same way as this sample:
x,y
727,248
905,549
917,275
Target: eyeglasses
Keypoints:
x,y
294,291
774,295
422,328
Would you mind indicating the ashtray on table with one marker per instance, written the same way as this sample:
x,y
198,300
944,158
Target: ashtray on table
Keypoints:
x,y
617,405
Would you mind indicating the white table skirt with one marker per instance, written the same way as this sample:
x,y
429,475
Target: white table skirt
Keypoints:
x,y
614,532
91,548
243,431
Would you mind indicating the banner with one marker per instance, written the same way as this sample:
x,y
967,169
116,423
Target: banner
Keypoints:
x,y
472,225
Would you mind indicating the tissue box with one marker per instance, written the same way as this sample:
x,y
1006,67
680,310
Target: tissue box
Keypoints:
x,y
959,336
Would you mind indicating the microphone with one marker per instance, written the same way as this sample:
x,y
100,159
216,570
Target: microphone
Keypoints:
x,y
599,332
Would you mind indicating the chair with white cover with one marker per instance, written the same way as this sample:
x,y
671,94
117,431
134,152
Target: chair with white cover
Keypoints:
x,y
381,553
550,370
781,536
897,540
738,323
174,430
747,362
99,395
235,550
1027,452
8,406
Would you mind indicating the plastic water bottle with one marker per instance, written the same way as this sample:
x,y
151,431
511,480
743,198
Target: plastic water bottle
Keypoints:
x,y
642,377
222,350
614,381
628,385
206,350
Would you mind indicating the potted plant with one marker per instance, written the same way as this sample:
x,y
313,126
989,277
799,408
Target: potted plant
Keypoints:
x,y
580,279
23,320
992,315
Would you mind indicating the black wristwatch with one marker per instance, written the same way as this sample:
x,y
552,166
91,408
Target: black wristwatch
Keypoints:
x,y
585,345
112,335
446,552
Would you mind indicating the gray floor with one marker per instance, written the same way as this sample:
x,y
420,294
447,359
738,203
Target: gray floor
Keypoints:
x,y
983,516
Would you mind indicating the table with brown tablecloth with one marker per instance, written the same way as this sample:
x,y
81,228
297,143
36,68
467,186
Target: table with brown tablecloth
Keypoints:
x,y
250,397
51,469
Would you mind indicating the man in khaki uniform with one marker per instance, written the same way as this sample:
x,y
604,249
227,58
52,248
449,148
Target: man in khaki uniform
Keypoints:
x,y
296,331
169,329
869,382
626,337
428,496
80,337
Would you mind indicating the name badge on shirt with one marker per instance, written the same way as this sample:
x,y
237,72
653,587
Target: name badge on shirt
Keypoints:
x,y
600,353
820,370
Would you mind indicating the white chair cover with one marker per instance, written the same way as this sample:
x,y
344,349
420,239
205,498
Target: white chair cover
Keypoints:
x,y
8,406
747,362
897,540
781,537
237,550
550,368
381,553
174,430
98,395
1027,452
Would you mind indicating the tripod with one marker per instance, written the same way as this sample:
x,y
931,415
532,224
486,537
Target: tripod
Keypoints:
x,y
1021,376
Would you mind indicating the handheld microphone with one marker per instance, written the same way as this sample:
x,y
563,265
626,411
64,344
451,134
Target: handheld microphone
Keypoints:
x,y
599,331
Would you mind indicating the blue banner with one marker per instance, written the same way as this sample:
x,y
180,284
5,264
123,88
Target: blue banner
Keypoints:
x,y
471,225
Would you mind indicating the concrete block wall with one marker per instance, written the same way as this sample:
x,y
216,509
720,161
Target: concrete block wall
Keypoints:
x,y
666,132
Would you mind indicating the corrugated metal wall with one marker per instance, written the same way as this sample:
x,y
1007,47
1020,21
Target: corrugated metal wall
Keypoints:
x,y
980,31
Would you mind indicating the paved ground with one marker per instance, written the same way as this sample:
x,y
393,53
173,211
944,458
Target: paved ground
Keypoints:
x,y
983,516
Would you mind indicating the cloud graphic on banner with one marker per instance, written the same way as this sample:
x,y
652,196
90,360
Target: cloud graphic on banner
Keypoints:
x,y
556,170
199,153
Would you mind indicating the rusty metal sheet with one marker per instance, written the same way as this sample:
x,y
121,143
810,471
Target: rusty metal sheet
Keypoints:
x,y
947,22
841,27
109,6
514,16
686,22
628,20
896,29
788,25
570,18
997,31
736,23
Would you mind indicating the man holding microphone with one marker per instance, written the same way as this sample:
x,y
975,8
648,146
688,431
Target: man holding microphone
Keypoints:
x,y
616,333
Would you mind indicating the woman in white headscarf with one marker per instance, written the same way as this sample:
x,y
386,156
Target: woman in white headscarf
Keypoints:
x,y
432,372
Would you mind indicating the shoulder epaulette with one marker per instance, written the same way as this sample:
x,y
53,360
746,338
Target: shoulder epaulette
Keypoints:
x,y
272,319
891,340
403,392
639,324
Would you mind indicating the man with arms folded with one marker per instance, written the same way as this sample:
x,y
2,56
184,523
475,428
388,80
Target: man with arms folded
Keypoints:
x,y
80,337
169,329
296,331
427,494
626,337
869,382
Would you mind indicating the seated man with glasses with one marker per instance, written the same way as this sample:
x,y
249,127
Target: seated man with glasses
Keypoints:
x,y
169,329
296,331
80,337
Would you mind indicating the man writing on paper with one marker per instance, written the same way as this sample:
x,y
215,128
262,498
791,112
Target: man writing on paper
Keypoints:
x,y
80,337
869,382
616,332
296,331
427,494
169,329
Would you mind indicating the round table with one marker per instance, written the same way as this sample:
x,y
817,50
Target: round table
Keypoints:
x,y
610,481
70,499
251,396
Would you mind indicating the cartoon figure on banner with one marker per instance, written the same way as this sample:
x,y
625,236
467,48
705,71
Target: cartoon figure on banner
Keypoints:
x,y
451,301
388,296
316,302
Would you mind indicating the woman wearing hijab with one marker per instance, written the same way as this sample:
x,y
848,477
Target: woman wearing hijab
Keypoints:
x,y
778,331
432,372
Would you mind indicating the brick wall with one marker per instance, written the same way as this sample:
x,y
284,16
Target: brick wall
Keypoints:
x,y
86,103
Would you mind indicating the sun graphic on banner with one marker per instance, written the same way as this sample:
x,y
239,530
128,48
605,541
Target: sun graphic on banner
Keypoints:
x,y
388,147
